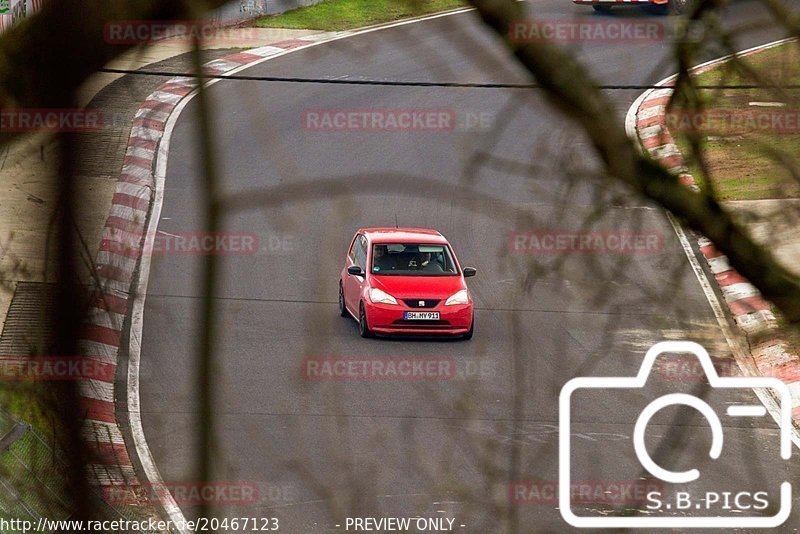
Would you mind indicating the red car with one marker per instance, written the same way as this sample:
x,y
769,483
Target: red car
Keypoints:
x,y
405,281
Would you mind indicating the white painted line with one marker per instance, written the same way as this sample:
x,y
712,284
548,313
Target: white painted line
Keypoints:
x,y
660,93
665,151
265,51
152,114
127,213
101,431
651,131
119,261
148,134
183,80
649,113
105,318
111,475
121,237
720,264
168,98
739,291
681,169
703,241
107,284
759,321
101,351
222,65
140,152
134,190
96,389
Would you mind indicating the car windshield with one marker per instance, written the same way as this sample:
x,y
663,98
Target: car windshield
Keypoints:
x,y
415,259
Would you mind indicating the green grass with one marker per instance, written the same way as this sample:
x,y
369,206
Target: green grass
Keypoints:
x,y
743,164
29,466
337,15
22,399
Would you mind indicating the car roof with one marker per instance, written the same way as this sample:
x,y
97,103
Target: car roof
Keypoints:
x,y
403,235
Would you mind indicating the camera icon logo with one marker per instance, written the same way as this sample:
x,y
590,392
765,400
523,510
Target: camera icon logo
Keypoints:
x,y
675,477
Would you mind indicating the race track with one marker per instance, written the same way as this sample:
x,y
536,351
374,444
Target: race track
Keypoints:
x,y
323,450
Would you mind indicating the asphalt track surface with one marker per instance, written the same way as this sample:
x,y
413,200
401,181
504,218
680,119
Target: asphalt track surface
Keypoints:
x,y
322,451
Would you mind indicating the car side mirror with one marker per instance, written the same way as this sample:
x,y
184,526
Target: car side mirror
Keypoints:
x,y
470,271
355,270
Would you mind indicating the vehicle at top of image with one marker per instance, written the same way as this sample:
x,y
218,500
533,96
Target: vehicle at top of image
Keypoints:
x,y
676,7
405,281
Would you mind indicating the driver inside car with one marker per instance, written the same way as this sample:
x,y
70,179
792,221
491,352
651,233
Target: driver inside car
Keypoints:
x,y
428,263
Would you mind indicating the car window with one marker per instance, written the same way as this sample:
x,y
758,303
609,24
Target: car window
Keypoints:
x,y
352,252
361,252
412,259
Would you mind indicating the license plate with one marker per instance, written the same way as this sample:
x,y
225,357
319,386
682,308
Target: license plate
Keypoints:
x,y
421,316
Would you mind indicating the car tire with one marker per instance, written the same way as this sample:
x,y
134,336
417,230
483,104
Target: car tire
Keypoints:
x,y
342,307
363,327
602,8
468,335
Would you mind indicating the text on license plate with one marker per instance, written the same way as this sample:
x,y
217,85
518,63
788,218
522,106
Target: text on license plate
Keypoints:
x,y
421,316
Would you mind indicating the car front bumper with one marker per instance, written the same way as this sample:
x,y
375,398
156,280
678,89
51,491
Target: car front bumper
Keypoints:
x,y
389,319
620,2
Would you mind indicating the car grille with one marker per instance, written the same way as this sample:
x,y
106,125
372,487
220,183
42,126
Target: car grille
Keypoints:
x,y
420,324
426,303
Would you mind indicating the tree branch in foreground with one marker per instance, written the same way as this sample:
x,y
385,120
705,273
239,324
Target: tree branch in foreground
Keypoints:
x,y
572,90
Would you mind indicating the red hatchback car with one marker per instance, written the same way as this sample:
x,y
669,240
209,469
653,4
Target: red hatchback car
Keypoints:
x,y
405,281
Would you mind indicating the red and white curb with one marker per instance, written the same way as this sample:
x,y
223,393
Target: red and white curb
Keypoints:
x,y
647,120
125,237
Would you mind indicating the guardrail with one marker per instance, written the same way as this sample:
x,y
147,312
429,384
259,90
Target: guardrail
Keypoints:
x,y
12,11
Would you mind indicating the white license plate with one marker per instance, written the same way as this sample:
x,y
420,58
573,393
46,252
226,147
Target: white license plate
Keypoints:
x,y
421,316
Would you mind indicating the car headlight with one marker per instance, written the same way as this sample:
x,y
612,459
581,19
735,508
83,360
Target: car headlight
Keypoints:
x,y
462,297
376,295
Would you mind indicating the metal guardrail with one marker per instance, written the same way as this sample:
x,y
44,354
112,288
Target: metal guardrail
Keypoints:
x,y
32,478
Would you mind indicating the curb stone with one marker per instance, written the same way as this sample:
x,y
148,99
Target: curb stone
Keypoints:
x,y
750,311
122,244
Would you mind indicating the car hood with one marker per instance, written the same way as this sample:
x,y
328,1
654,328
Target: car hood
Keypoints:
x,y
423,287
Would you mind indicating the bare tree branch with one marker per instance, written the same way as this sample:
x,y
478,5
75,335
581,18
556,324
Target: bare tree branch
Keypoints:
x,y
66,42
572,90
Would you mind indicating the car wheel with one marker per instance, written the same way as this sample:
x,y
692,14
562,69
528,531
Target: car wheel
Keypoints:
x,y
468,335
601,8
342,307
363,329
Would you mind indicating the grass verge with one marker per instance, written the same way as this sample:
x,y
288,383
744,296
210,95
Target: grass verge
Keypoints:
x,y
750,137
338,15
